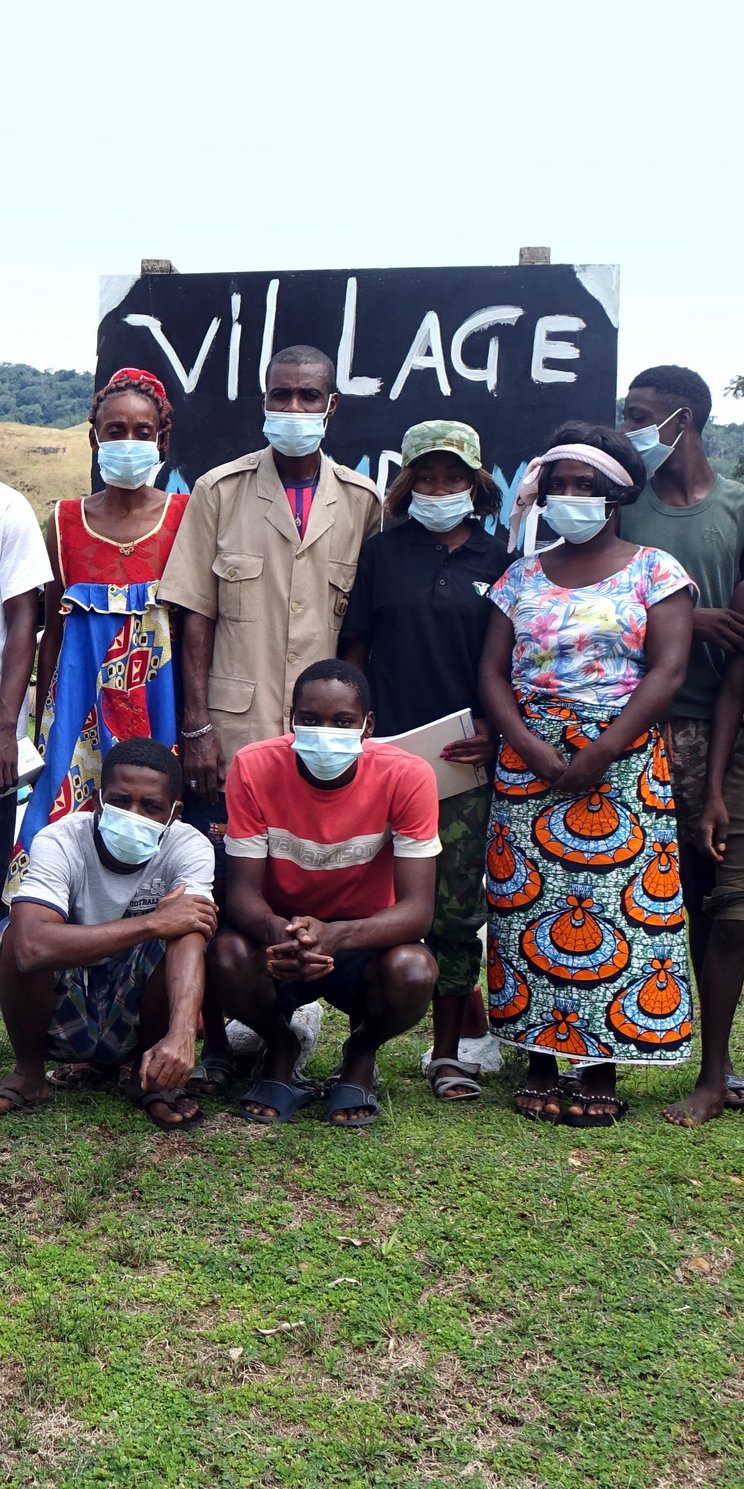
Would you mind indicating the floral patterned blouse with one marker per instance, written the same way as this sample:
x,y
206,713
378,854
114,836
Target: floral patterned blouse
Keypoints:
x,y
589,643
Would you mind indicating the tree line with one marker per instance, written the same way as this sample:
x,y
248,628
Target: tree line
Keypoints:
x,y
30,396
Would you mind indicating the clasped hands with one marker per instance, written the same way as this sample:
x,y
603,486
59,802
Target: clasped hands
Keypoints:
x,y
305,955
571,778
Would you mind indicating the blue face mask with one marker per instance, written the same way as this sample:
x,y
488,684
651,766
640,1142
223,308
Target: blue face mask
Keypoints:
x,y
295,434
130,838
128,463
576,519
652,450
327,753
439,514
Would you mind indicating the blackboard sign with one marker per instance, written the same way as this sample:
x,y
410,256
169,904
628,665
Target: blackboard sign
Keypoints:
x,y
512,351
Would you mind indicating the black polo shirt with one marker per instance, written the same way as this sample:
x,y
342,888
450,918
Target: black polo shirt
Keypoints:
x,y
418,609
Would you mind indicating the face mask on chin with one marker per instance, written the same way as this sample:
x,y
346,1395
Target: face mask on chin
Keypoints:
x,y
295,435
128,837
440,514
650,447
576,519
327,753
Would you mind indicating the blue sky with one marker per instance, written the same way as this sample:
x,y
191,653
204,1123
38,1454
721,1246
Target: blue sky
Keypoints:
x,y
296,136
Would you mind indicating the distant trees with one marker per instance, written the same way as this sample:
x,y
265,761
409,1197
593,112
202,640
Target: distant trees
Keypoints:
x,y
736,389
30,396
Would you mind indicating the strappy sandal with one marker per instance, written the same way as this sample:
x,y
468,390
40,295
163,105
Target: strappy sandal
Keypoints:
x,y
212,1076
81,1075
148,1100
441,1085
598,1119
551,1094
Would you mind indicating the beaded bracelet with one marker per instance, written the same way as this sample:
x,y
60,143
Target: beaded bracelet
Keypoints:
x,y
196,733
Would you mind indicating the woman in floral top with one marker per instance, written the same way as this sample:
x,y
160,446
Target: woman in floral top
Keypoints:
x,y
586,647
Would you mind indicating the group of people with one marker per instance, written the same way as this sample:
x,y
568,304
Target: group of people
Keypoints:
x,y
223,829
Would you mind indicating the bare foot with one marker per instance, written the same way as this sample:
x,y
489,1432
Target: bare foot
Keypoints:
x,y
701,1106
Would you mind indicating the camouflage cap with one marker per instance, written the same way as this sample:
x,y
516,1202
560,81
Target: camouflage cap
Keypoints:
x,y
442,434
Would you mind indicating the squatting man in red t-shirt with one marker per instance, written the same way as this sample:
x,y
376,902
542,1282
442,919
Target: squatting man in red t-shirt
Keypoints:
x,y
331,854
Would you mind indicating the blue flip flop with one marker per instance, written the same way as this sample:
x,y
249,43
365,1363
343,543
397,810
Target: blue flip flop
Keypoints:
x,y
286,1100
345,1098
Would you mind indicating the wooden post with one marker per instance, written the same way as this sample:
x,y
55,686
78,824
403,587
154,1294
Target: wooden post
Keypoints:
x,y
157,266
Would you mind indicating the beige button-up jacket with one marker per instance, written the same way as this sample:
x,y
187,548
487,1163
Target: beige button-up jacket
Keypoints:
x,y
278,602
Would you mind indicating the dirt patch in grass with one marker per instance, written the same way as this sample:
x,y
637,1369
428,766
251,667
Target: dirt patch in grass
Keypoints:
x,y
20,1194
36,1434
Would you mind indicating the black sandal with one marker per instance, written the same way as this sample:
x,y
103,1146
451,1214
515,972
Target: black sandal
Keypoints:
x,y
599,1119
552,1094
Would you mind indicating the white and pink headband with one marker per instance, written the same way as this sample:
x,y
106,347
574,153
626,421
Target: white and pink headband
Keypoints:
x,y
524,508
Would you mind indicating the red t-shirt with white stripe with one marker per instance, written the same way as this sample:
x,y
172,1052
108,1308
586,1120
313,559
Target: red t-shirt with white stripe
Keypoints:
x,y
329,853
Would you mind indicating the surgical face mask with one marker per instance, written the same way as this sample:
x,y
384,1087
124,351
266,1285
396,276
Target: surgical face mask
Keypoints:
x,y
128,463
576,519
327,753
652,450
129,837
295,434
441,513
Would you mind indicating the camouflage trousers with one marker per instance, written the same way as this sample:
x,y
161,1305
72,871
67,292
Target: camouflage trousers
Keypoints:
x,y
460,909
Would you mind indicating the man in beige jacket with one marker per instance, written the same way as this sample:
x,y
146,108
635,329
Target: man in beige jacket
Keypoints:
x,y
263,565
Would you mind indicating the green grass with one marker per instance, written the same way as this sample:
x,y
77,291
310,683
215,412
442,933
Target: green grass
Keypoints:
x,y
454,1298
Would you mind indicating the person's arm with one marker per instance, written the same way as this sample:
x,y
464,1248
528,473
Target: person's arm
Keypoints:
x,y
357,631
502,709
725,724
250,912
18,660
247,908
355,650
44,941
724,628
407,920
169,1063
202,758
51,640
668,637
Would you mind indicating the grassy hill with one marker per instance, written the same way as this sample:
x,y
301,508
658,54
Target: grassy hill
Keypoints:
x,y
45,464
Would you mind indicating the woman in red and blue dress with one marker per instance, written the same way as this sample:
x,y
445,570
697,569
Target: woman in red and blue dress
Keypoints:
x,y
106,670
586,647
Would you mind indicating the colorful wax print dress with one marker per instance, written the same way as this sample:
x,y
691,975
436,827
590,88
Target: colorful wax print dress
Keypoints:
x,y
586,938
115,677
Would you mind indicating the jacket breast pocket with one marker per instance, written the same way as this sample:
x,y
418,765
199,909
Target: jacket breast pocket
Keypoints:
x,y
340,584
240,587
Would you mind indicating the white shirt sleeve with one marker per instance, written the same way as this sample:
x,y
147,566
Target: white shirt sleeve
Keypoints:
x,y
48,878
192,863
24,562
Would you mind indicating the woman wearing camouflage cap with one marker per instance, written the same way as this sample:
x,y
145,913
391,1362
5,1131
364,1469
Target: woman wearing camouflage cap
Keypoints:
x,y
416,622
